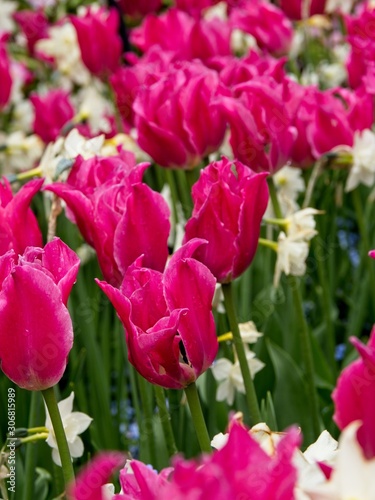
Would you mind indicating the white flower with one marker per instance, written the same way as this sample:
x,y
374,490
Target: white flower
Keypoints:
x,y
6,16
353,475
325,449
218,11
74,423
22,151
332,74
63,46
229,376
310,475
249,332
241,42
68,148
95,109
363,169
76,144
219,440
289,184
302,224
292,253
344,6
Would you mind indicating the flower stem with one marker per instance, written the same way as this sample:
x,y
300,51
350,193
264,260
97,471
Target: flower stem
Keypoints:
x,y
30,458
251,397
306,352
198,419
274,199
62,444
165,420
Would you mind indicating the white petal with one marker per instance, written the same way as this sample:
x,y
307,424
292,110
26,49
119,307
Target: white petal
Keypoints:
x,y
219,440
221,368
66,406
225,391
56,457
76,423
76,448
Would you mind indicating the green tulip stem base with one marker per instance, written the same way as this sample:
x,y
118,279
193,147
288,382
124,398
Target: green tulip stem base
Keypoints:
x,y
165,420
198,419
62,444
251,397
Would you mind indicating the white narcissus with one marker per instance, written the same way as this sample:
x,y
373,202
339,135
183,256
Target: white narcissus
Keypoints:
x,y
363,168
229,376
301,224
74,423
353,475
292,253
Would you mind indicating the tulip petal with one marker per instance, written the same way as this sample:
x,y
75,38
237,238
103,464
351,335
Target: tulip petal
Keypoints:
x,y
63,263
36,331
143,229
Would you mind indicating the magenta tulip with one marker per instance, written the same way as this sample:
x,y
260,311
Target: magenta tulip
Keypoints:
x,y
52,111
18,224
99,41
36,332
172,340
229,203
172,116
95,475
240,470
354,395
270,27
117,214
5,76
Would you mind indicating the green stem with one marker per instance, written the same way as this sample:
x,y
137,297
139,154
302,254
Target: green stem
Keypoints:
x,y
30,458
184,191
306,352
165,420
251,397
147,436
62,444
366,247
274,199
198,419
327,308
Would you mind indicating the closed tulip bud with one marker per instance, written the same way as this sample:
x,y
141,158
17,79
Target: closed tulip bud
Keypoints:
x,y
173,340
36,332
229,203
99,41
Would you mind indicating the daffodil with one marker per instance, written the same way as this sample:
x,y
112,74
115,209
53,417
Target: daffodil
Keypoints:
x,y
74,423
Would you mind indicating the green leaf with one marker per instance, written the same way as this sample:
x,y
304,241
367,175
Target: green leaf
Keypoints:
x,y
290,394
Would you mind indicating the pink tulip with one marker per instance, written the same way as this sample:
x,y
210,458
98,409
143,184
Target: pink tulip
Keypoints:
x,y
173,340
188,38
272,30
52,111
94,476
36,332
262,134
99,41
172,116
128,81
119,215
34,25
241,469
194,7
5,76
18,225
229,203
354,395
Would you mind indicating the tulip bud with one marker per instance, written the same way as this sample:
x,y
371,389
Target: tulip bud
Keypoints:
x,y
229,203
